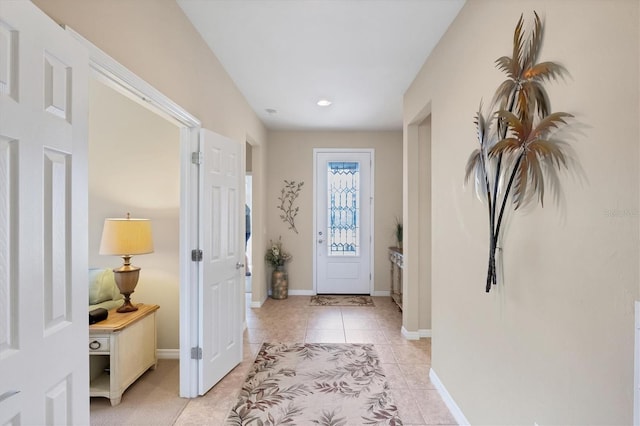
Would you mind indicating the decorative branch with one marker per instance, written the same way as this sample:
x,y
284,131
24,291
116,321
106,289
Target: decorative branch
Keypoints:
x,y
288,195
520,149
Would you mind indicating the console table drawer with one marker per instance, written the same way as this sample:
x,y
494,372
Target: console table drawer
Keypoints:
x,y
99,344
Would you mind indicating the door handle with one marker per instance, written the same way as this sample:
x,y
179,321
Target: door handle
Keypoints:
x,y
8,394
239,265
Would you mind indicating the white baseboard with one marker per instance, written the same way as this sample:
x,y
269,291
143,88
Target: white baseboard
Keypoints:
x,y
410,335
424,332
313,293
291,293
636,367
415,335
257,304
456,412
168,353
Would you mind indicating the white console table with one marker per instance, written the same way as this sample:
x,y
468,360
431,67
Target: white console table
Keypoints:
x,y
121,349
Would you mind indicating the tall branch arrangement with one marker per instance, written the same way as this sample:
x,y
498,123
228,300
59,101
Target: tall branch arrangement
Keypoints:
x,y
519,147
288,195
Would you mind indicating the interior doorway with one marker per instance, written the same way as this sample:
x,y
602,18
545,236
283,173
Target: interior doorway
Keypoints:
x,y
416,274
107,70
248,191
248,183
134,167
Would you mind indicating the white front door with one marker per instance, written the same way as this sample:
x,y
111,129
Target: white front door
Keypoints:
x,y
343,206
44,360
222,277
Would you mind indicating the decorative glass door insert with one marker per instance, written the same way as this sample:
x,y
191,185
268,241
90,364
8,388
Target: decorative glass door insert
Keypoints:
x,y
343,226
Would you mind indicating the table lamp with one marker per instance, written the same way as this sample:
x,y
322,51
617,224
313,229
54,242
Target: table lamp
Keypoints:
x,y
126,237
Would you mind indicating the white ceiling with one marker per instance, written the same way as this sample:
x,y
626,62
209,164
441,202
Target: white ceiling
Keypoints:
x,y
285,55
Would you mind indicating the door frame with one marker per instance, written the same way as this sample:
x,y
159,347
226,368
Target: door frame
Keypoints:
x,y
371,152
110,72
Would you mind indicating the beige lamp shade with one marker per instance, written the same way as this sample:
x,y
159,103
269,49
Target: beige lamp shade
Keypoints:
x,y
125,236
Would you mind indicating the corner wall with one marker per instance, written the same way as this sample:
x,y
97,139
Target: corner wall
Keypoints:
x,y
554,342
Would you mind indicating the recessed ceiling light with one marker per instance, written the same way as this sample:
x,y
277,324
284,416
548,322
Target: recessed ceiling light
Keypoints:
x,y
323,102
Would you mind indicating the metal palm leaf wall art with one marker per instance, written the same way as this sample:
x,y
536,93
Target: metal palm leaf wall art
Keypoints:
x,y
520,150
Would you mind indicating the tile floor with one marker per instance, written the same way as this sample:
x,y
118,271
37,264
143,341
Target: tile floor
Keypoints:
x,y
405,362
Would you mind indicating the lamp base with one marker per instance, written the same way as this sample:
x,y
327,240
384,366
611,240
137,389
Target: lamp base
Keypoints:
x,y
127,306
126,278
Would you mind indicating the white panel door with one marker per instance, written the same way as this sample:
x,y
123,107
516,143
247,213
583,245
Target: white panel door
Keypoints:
x,y
343,222
44,363
222,277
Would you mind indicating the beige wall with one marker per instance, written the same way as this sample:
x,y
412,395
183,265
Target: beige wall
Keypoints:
x,y
290,157
154,39
553,343
134,166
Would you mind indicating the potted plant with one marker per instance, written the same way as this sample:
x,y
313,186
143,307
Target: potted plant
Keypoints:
x,y
277,257
399,233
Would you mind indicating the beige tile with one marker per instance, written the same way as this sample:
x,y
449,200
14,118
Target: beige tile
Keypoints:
x,y
325,322
360,323
324,336
364,336
254,335
406,363
394,376
416,375
292,325
324,311
394,327
407,407
433,409
387,327
254,322
289,301
358,312
252,349
385,354
284,336
389,315
412,354
210,409
395,338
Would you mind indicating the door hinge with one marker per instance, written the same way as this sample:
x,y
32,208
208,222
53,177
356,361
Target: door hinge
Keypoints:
x,y
196,157
196,353
196,255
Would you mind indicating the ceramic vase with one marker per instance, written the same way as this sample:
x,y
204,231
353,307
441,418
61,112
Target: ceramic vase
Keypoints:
x,y
279,283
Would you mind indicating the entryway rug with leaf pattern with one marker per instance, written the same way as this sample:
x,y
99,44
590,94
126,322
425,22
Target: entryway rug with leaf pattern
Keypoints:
x,y
340,300
330,384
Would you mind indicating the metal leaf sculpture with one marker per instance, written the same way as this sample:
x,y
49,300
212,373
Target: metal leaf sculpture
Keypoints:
x,y
288,195
517,144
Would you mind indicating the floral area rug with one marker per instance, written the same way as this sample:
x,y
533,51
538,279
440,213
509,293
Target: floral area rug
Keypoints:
x,y
315,384
341,301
